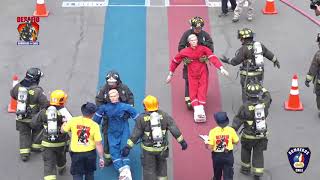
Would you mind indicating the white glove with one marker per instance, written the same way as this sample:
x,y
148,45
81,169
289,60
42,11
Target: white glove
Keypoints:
x,y
223,71
169,77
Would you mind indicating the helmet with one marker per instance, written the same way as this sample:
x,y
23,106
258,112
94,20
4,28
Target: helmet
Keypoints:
x,y
253,90
151,103
196,22
58,98
33,74
113,77
245,33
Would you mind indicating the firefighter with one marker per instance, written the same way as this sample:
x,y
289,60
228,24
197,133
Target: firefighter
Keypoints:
x,y
252,115
251,55
313,74
197,24
221,140
152,128
113,81
118,130
196,57
30,100
53,141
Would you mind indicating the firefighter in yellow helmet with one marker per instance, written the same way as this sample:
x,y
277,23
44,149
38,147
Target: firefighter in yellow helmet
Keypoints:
x,y
53,141
152,128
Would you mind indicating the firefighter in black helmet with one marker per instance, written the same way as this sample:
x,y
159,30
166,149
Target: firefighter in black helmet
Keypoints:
x,y
113,81
30,100
252,115
314,74
251,54
197,24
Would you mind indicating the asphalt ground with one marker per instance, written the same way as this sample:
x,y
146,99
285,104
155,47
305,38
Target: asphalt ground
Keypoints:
x,y
69,54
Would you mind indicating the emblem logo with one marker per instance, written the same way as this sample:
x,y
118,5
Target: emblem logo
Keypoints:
x,y
299,158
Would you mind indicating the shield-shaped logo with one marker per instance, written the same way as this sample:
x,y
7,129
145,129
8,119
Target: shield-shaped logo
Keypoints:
x,y
299,158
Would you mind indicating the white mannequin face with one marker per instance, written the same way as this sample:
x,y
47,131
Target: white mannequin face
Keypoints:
x,y
193,41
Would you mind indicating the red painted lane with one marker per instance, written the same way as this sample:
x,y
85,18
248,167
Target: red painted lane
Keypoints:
x,y
187,2
195,163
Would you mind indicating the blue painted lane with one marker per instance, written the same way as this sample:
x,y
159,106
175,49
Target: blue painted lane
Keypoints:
x,y
124,50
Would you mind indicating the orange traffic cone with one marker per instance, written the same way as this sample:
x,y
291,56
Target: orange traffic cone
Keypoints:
x,y
294,104
270,8
12,107
41,10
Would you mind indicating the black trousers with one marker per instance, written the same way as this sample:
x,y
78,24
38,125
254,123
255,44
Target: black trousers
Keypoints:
x,y
27,138
223,162
53,158
154,164
224,6
256,147
83,163
105,138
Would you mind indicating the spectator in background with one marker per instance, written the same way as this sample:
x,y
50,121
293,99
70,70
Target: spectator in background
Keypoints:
x,y
224,7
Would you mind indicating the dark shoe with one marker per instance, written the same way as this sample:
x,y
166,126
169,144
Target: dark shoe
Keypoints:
x,y
256,177
235,19
107,162
231,10
223,14
245,171
188,103
25,158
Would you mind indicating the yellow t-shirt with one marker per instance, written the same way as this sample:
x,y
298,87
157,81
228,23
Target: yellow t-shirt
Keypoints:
x,y
84,133
222,138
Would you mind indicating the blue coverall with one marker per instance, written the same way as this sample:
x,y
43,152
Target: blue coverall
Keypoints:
x,y
118,129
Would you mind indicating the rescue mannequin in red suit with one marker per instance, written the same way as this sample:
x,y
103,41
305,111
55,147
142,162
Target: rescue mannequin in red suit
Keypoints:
x,y
197,57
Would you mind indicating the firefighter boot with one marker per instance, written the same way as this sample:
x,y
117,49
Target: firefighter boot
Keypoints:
x,y
256,177
25,157
188,103
245,171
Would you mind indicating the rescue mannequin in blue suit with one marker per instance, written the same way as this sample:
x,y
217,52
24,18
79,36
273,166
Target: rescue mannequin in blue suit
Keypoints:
x,y
118,130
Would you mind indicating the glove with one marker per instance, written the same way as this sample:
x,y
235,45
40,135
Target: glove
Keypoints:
x,y
184,145
101,163
225,59
125,151
169,77
276,63
223,71
126,115
186,61
204,59
307,83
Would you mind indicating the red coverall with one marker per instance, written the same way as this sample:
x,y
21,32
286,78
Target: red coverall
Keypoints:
x,y
197,71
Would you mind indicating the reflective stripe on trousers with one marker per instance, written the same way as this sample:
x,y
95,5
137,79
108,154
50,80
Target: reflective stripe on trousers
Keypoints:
x,y
50,177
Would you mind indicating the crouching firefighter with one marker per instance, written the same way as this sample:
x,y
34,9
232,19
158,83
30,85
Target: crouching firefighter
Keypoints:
x,y
152,128
314,74
251,54
113,81
252,115
30,100
53,141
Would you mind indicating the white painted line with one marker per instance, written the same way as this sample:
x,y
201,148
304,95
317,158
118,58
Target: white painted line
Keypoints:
x,y
147,4
167,3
